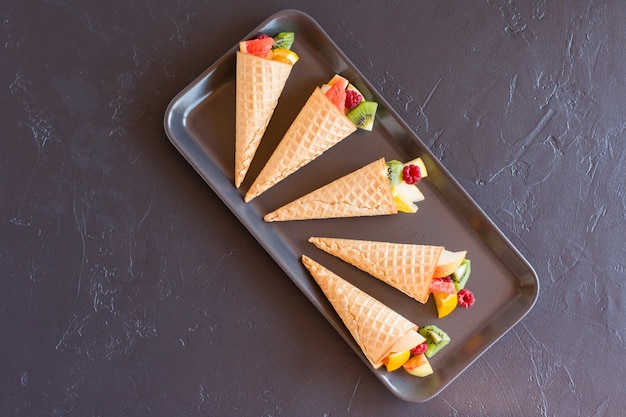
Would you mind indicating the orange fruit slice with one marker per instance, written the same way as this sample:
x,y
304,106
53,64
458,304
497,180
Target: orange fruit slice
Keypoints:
x,y
285,55
445,303
395,360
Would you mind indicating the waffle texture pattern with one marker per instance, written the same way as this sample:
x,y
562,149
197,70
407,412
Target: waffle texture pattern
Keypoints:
x,y
259,84
406,267
374,326
364,192
318,126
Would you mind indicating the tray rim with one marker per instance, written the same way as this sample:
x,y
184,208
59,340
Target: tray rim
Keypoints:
x,y
530,278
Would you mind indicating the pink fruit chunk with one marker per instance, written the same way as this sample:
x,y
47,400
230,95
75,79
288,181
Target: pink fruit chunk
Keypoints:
x,y
411,174
442,285
337,94
259,46
352,99
419,349
466,298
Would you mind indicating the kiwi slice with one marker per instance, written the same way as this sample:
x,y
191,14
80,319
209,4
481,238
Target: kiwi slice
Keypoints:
x,y
363,115
461,275
283,40
394,172
436,339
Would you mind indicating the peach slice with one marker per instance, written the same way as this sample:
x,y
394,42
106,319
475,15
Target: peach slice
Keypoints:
x,y
418,365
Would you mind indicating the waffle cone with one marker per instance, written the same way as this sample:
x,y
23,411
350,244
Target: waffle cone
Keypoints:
x,y
406,267
317,127
260,82
364,192
374,326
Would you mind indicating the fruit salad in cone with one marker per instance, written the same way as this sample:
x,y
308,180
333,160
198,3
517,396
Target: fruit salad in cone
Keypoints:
x,y
263,66
406,267
385,336
379,188
332,112
416,270
376,328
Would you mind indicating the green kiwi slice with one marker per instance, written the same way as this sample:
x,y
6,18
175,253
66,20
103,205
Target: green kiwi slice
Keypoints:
x,y
283,40
436,339
461,275
394,172
363,115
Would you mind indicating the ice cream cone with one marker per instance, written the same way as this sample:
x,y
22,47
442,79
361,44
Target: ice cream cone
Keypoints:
x,y
259,83
317,127
406,267
375,327
364,192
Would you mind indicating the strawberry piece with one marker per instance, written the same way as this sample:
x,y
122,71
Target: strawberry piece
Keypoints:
x,y
337,95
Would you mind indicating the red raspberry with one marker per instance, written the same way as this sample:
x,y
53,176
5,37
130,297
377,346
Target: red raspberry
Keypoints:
x,y
411,174
262,36
352,99
419,349
465,298
446,279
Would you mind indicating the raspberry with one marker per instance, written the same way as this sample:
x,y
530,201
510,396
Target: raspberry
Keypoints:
x,y
262,36
465,298
446,279
352,99
411,174
419,349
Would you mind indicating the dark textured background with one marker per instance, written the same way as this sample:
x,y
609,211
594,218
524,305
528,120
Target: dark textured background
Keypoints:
x,y
128,288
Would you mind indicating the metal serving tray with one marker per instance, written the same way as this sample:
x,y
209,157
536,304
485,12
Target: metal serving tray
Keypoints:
x,y
200,122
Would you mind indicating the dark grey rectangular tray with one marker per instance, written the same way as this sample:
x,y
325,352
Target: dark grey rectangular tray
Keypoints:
x,y
200,122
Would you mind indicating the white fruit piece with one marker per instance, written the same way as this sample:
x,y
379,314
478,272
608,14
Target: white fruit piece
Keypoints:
x,y
448,263
409,192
